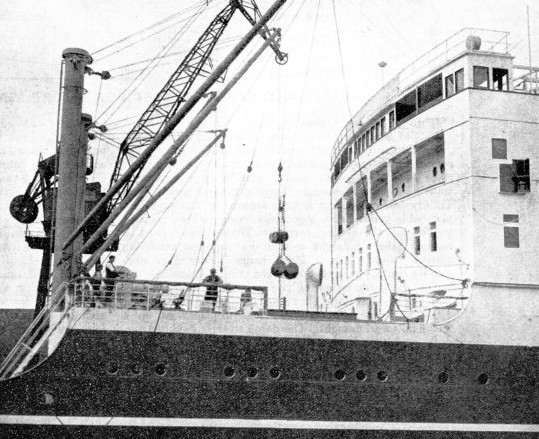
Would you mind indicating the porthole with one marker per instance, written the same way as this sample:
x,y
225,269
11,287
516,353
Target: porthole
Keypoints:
x,y
483,378
339,374
112,368
252,372
434,171
395,191
48,399
380,201
160,369
229,371
403,187
275,373
443,377
442,168
361,375
382,376
136,368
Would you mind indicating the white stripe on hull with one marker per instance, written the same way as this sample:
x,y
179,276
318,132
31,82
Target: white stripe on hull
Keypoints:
x,y
264,424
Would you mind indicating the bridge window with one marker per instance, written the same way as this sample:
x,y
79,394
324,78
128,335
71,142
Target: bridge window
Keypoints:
x,y
500,79
391,120
383,125
480,77
378,130
459,81
406,106
430,91
449,86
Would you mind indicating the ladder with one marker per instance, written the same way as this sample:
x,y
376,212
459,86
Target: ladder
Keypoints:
x,y
37,334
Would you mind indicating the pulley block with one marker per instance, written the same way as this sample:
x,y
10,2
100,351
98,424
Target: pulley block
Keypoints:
x,y
24,209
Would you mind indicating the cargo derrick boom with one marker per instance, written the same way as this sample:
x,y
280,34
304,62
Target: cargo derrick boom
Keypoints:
x,y
171,96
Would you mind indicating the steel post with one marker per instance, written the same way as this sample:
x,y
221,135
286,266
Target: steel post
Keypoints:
x,y
71,168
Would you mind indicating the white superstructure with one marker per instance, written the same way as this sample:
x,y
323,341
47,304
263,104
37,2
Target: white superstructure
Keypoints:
x,y
447,155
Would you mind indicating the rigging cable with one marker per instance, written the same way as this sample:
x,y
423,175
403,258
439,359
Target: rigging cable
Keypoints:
x,y
149,69
152,26
164,211
365,193
304,86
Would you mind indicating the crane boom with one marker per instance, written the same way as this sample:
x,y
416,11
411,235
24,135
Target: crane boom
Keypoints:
x,y
171,96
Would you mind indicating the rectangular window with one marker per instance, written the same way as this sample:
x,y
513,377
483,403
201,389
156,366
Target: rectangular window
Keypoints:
x,y
337,273
417,241
360,200
363,142
360,267
336,169
515,177
383,125
338,214
522,175
378,130
368,138
353,264
480,77
433,237
459,81
372,135
349,201
406,106
499,149
369,257
340,270
350,155
508,218
344,159
347,271
391,120
449,86
510,237
500,79
430,91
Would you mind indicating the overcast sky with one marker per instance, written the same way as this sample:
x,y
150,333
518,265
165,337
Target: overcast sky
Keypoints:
x,y
290,113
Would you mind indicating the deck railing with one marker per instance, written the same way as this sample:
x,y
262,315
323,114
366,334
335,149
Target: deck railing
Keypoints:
x,y
182,296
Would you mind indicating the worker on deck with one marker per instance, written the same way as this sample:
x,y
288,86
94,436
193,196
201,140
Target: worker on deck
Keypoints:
x,y
211,291
110,274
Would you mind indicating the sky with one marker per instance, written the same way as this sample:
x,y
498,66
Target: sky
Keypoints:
x,y
290,114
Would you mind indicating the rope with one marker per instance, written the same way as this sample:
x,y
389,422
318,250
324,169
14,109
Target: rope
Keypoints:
x,y
149,69
152,26
227,218
365,193
302,95
410,253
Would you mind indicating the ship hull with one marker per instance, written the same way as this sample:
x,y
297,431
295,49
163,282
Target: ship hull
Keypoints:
x,y
136,384
130,432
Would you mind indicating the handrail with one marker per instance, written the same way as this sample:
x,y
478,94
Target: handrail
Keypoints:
x,y
27,346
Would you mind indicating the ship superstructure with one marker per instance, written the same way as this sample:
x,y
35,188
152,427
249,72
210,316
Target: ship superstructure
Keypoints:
x,y
443,154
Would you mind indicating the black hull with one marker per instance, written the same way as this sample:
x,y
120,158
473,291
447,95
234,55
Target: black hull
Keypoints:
x,y
470,387
68,432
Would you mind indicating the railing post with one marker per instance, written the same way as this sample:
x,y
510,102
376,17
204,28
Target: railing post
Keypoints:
x,y
265,298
